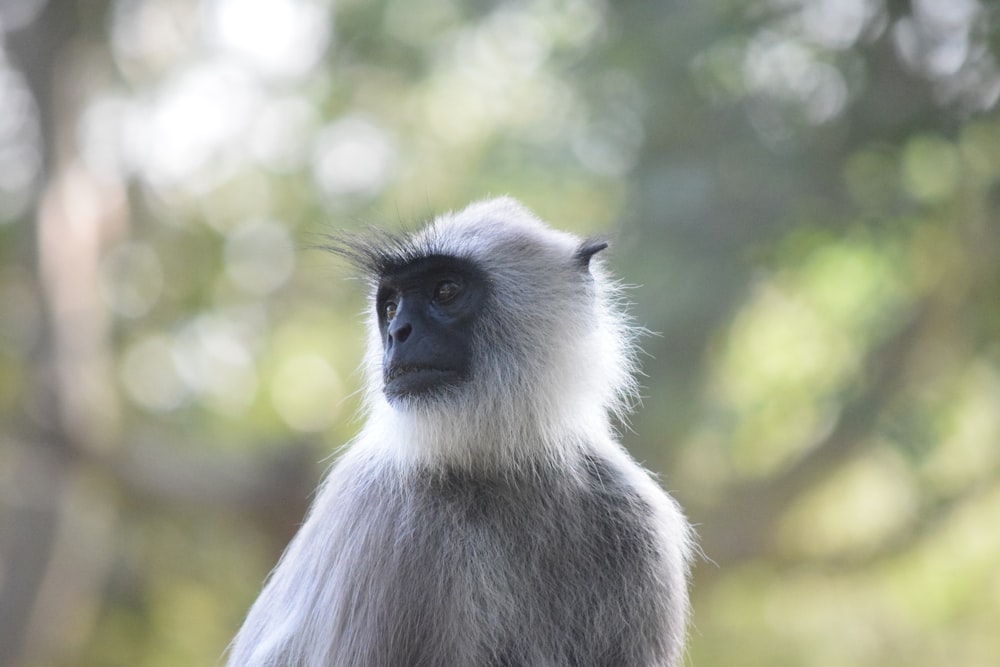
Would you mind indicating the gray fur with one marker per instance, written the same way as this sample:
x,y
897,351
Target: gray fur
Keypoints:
x,y
502,524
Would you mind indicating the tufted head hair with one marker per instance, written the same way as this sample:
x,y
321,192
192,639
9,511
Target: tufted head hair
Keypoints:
x,y
553,349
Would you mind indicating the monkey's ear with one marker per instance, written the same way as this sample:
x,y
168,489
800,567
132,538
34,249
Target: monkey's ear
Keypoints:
x,y
588,249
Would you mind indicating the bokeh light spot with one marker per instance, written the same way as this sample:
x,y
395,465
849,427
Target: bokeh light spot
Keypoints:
x,y
214,361
306,393
149,376
931,168
353,157
259,257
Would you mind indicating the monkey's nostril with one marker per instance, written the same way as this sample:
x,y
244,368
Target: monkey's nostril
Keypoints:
x,y
402,333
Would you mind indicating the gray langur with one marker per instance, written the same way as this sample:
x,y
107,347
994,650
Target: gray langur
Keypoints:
x,y
486,513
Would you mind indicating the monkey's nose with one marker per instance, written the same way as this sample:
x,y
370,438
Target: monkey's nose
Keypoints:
x,y
398,333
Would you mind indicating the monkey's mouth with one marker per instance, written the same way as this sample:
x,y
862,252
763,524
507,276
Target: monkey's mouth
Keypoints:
x,y
412,380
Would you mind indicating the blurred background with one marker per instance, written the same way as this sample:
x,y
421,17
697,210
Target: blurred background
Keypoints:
x,y
803,193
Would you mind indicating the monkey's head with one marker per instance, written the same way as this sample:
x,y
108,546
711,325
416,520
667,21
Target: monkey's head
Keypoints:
x,y
487,321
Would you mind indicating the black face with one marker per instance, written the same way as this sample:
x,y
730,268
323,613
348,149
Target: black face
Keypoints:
x,y
425,312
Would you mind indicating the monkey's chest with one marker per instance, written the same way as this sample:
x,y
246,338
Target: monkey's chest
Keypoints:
x,y
479,570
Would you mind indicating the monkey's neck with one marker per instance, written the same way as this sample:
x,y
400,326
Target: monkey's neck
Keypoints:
x,y
423,438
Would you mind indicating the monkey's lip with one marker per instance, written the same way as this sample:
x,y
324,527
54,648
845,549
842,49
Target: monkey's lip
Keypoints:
x,y
410,379
407,369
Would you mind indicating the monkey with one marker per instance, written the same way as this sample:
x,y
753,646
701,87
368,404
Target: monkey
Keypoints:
x,y
486,514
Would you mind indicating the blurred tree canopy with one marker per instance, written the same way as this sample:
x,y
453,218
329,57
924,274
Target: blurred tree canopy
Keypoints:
x,y
805,194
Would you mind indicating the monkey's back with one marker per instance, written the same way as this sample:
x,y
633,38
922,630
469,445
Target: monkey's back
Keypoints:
x,y
538,566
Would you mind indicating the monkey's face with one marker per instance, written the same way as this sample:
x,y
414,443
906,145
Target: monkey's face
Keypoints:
x,y
426,311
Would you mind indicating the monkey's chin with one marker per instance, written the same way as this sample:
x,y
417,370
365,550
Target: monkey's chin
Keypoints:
x,y
406,385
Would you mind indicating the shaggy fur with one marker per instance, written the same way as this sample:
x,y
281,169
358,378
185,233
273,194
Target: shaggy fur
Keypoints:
x,y
500,523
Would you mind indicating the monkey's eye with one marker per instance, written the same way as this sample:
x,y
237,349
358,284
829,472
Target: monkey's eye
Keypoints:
x,y
389,310
446,290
